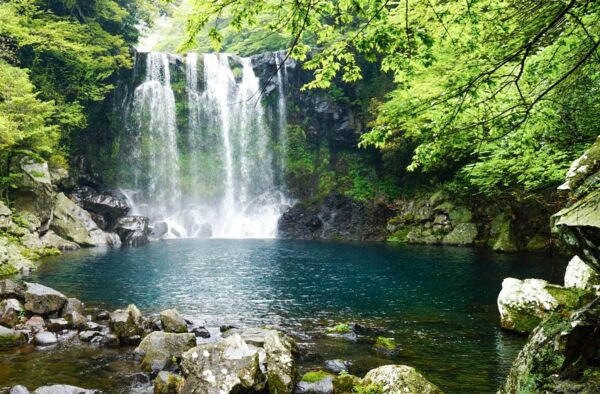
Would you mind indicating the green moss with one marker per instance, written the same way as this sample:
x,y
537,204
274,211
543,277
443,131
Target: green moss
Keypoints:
x,y
345,383
7,269
340,329
368,389
315,376
570,298
400,235
385,343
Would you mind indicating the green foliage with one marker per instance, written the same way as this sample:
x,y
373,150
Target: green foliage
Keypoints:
x,y
385,343
497,97
368,389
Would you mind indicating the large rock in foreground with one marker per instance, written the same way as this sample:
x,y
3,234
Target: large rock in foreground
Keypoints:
x,y
159,348
43,300
399,379
579,275
227,366
560,355
523,304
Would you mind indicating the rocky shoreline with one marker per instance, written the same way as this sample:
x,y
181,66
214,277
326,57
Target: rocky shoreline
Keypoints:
x,y
177,356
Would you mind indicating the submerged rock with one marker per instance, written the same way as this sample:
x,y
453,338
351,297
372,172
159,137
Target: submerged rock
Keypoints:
x,y
524,303
399,379
43,300
227,366
172,321
159,348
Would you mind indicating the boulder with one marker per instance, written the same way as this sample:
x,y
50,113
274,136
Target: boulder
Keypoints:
x,y
11,289
10,338
86,336
560,355
62,389
10,311
33,193
524,303
280,363
386,346
35,324
133,230
109,206
57,324
168,383
345,383
72,222
159,348
19,389
172,321
128,324
336,366
43,300
73,312
227,366
462,234
108,340
317,382
252,336
12,258
579,275
399,379
502,234
52,240
45,338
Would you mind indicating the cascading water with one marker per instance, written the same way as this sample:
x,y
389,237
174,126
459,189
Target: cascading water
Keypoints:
x,y
215,172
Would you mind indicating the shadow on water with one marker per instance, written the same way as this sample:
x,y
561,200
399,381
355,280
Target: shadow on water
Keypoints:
x,y
439,303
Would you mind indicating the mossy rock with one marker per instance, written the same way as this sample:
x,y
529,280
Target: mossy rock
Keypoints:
x,y
342,328
345,384
537,242
460,215
315,376
462,234
502,236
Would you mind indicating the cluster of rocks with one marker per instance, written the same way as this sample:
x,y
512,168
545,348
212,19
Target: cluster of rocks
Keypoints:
x,y
562,351
437,219
179,356
53,210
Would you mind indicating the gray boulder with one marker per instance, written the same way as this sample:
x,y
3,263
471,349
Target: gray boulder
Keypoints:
x,y
227,366
110,207
43,300
62,389
462,234
579,275
5,216
57,324
52,240
158,349
400,379
315,383
128,324
172,321
10,311
19,389
73,312
45,338
11,338
11,289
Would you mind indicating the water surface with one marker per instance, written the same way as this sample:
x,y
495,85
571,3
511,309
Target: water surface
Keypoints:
x,y
439,303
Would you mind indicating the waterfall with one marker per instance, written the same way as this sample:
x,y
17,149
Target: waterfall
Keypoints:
x,y
208,168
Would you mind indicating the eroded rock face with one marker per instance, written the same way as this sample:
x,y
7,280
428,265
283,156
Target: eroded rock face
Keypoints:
x,y
400,379
43,300
158,349
109,206
227,366
52,240
523,304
